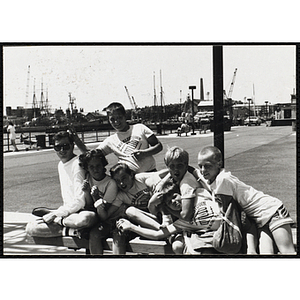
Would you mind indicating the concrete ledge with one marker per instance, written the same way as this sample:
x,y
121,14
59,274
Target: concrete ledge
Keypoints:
x,y
16,242
136,245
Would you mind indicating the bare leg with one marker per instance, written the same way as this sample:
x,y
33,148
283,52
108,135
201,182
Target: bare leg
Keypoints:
x,y
13,142
265,241
42,229
178,244
95,241
142,218
284,240
252,239
119,243
80,220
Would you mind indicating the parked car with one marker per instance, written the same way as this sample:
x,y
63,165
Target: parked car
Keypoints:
x,y
253,120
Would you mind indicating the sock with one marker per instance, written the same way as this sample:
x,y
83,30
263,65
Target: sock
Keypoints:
x,y
67,231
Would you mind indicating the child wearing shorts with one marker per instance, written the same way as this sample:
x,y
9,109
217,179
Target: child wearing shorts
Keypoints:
x,y
270,215
176,160
205,219
134,193
100,191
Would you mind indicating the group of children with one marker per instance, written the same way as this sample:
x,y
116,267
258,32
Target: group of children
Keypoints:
x,y
179,203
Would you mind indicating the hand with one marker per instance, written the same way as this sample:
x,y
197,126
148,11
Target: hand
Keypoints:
x,y
139,154
159,186
157,198
72,131
86,186
40,220
71,128
49,218
123,225
95,193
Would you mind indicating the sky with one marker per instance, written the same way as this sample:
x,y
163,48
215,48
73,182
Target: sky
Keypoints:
x,y
97,75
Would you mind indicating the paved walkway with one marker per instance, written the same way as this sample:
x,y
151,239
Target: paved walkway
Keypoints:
x,y
14,238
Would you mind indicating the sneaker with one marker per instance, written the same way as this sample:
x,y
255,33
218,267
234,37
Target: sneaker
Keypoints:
x,y
41,211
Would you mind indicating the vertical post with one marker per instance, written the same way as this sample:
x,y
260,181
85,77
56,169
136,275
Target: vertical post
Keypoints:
x,y
193,113
218,98
201,90
82,134
249,99
7,141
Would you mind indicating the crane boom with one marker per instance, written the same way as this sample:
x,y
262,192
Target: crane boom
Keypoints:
x,y
131,99
134,112
232,84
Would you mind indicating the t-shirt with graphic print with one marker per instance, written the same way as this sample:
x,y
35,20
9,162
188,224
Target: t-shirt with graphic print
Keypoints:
x,y
107,187
141,191
122,144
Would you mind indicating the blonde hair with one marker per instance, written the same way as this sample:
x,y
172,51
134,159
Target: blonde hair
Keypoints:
x,y
176,153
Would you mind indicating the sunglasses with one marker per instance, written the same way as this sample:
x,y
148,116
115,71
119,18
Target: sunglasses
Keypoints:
x,y
65,147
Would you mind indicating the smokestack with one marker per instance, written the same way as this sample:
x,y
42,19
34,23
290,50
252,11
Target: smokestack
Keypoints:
x,y
201,90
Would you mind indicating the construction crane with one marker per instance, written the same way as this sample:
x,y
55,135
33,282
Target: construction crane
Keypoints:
x,y
133,104
232,84
227,97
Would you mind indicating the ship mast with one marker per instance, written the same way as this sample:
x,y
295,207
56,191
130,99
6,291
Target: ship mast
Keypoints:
x,y
27,86
161,98
34,102
42,98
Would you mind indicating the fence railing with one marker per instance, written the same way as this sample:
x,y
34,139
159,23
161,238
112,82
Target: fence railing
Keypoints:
x,y
42,140
26,139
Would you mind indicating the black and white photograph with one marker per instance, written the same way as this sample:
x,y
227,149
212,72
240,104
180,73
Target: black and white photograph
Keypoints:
x,y
150,149
142,150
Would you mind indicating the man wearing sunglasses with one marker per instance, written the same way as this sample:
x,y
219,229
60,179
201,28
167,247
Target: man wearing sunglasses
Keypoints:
x,y
71,216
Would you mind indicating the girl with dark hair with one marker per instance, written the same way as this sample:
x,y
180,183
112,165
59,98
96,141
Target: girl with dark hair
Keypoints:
x,y
100,191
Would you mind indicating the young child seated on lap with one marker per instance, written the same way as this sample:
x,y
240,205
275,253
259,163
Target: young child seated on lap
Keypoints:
x,y
176,160
135,191
270,215
205,219
100,191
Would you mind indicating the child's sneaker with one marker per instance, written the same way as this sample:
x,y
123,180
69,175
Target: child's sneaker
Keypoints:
x,y
166,220
41,211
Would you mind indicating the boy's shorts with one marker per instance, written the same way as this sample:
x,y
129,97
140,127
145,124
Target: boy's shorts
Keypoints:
x,y
197,244
280,218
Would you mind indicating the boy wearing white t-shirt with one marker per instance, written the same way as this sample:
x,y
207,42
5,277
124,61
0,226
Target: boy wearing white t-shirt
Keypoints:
x,y
269,214
72,215
134,145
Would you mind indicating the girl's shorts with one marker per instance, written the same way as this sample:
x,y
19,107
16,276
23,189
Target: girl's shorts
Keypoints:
x,y
280,218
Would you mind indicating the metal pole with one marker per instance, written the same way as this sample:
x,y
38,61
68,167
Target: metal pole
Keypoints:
x,y
218,98
193,123
249,99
